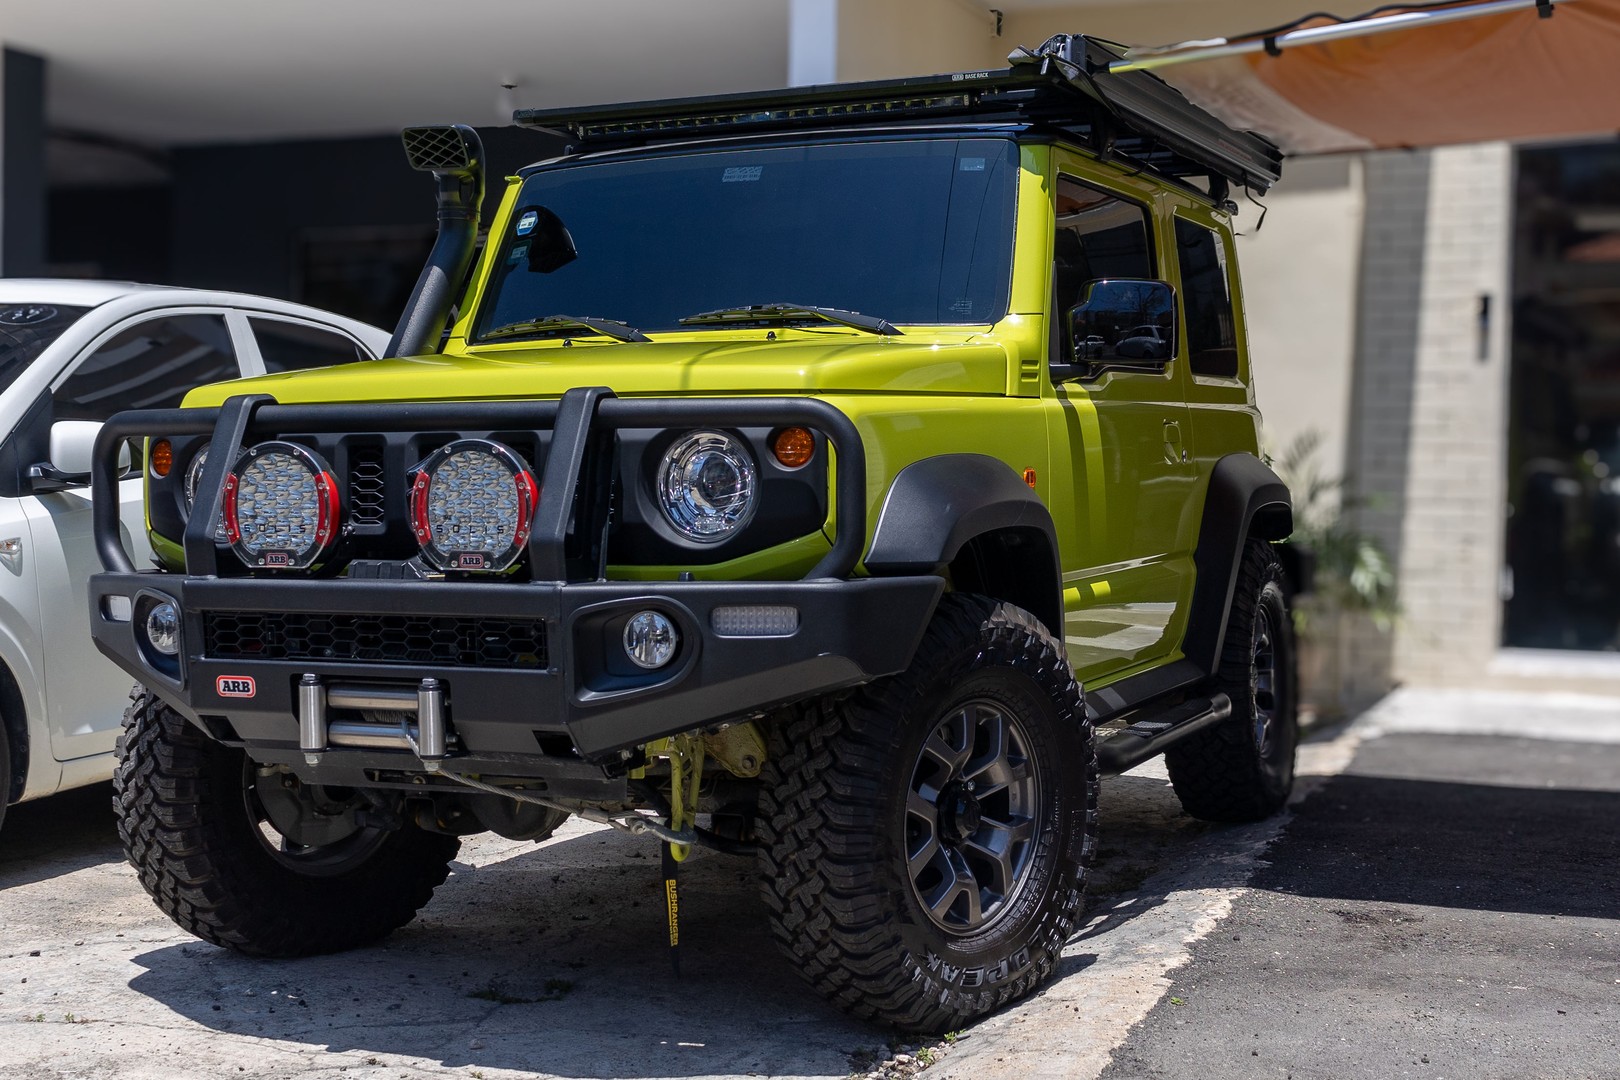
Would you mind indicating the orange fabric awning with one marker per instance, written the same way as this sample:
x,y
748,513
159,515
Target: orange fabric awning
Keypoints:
x,y
1512,76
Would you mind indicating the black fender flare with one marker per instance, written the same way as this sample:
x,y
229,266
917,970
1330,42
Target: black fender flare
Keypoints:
x,y
1245,498
938,506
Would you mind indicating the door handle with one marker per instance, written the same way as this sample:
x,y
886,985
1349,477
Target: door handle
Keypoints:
x,y
1174,452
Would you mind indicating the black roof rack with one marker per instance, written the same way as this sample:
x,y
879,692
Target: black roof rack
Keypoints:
x,y
1063,84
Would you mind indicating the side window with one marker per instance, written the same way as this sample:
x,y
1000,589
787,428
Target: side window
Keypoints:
x,y
288,346
1206,300
1099,235
149,366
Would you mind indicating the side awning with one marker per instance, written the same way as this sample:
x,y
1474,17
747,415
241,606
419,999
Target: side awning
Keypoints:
x,y
1410,76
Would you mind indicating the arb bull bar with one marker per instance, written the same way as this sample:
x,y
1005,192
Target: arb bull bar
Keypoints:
x,y
555,708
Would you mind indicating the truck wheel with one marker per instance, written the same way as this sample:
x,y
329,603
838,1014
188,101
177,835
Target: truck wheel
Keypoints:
x,y
925,840
1243,768
5,772
274,872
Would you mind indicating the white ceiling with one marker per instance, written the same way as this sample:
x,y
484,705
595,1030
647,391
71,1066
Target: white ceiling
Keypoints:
x,y
161,73
165,72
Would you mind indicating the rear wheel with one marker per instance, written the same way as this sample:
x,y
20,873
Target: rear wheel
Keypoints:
x,y
248,858
925,840
1243,768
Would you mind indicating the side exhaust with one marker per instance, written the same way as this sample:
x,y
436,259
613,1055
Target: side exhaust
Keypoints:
x,y
455,156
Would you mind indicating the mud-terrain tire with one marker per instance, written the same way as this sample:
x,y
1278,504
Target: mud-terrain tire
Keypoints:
x,y
869,800
1242,769
187,818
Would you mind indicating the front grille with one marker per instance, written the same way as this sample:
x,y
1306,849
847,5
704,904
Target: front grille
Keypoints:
x,y
366,485
376,639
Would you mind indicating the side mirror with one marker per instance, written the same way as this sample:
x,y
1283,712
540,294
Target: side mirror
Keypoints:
x,y
72,450
1122,323
543,240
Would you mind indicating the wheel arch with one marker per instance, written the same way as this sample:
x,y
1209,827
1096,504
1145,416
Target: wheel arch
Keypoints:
x,y
14,716
972,516
1245,499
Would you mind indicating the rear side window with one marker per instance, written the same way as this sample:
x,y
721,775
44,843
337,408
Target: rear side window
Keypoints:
x,y
149,366
288,346
1206,300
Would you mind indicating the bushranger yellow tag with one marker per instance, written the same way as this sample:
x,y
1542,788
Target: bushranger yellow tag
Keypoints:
x,y
672,906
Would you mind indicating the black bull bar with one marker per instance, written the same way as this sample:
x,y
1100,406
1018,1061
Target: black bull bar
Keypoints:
x,y
851,629
571,419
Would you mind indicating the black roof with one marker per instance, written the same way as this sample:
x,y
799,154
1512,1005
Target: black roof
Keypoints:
x,y
1065,84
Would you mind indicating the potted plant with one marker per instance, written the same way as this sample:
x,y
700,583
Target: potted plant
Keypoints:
x,y
1354,582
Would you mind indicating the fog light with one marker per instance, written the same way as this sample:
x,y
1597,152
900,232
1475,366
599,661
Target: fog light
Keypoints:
x,y
163,629
650,639
755,620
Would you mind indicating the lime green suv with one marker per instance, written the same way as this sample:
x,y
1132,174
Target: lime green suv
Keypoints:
x,y
772,479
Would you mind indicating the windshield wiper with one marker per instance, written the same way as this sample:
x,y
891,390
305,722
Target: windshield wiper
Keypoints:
x,y
763,313
567,324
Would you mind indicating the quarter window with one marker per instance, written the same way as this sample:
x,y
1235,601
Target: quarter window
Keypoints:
x,y
1206,298
149,366
287,346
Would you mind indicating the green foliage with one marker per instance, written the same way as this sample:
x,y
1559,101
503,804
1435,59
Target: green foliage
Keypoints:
x,y
1353,570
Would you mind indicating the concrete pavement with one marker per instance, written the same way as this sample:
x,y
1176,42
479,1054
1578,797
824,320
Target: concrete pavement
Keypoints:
x,y
545,960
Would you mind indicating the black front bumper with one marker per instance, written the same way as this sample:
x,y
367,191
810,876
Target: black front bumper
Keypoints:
x,y
527,678
503,717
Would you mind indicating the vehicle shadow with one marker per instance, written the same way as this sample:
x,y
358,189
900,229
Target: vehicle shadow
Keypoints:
x,y
1144,831
553,960
1531,832
58,835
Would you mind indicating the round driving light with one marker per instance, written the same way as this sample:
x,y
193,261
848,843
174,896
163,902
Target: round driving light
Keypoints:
x,y
706,486
650,639
793,447
194,473
163,629
281,506
472,505
162,457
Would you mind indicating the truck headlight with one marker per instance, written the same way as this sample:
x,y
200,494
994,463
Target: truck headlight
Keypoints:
x,y
706,486
281,506
472,505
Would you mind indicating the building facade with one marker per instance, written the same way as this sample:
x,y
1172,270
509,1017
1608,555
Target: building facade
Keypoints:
x,y
1444,321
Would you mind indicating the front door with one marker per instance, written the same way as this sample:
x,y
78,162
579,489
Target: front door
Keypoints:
x,y
148,364
1125,430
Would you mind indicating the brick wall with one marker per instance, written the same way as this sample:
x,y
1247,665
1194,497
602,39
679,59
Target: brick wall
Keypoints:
x,y
1428,430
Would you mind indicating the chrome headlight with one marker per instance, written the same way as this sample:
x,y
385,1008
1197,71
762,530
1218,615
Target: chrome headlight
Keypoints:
x,y
472,505
706,486
194,473
281,506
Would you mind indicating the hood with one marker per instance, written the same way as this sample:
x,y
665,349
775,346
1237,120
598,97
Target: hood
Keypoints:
x,y
798,362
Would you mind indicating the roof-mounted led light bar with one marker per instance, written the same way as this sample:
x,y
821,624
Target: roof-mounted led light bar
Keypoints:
x,y
1065,83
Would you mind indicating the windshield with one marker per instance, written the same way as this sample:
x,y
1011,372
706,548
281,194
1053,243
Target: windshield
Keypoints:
x,y
26,330
912,231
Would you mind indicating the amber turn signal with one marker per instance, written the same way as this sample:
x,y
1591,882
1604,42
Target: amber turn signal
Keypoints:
x,y
162,457
793,446
1029,477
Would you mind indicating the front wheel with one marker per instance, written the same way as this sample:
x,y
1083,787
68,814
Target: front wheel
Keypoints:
x,y
925,840
5,772
248,858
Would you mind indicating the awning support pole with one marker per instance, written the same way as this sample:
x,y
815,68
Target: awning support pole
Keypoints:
x,y
1147,59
